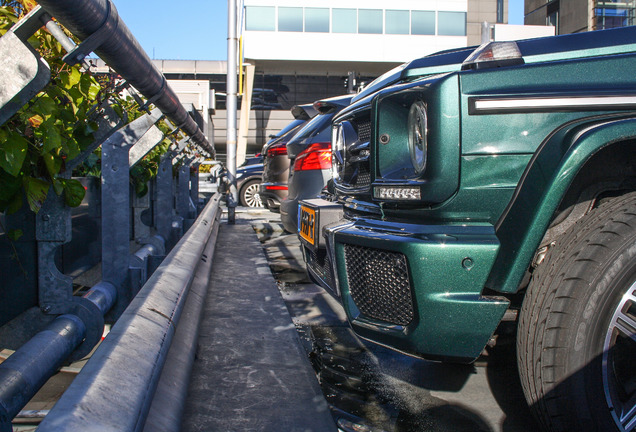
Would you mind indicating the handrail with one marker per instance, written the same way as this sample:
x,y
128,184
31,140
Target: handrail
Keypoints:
x,y
115,389
97,23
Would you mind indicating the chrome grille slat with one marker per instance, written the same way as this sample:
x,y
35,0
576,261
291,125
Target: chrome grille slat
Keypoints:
x,y
355,173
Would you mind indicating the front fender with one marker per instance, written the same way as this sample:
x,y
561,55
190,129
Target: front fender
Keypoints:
x,y
541,189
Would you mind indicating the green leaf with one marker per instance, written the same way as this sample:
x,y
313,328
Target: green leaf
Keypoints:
x,y
93,91
85,84
15,203
58,186
76,95
11,186
46,106
12,153
15,234
36,190
70,79
52,138
53,164
74,192
72,148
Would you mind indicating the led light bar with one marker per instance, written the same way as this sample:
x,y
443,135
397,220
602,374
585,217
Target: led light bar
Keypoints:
x,y
397,193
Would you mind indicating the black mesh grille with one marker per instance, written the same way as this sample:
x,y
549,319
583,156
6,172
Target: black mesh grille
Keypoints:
x,y
364,130
359,172
379,284
320,265
364,176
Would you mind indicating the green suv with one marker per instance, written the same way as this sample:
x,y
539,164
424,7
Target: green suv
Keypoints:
x,y
495,185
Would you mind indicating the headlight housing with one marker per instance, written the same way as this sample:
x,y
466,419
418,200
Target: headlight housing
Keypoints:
x,y
337,151
417,136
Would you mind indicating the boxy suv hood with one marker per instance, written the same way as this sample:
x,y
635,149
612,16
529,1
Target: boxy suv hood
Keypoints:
x,y
435,63
532,50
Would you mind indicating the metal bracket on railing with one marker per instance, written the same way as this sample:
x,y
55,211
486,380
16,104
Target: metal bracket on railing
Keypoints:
x,y
147,142
95,40
116,156
164,200
183,192
107,124
154,98
194,185
23,73
53,229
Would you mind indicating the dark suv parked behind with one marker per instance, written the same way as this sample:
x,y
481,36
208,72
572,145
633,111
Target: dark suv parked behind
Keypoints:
x,y
275,163
309,153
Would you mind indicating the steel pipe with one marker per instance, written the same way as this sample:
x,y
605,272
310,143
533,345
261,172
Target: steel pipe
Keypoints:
x,y
27,369
103,295
121,51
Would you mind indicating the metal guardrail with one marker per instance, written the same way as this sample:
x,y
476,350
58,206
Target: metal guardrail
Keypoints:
x,y
98,25
116,388
79,321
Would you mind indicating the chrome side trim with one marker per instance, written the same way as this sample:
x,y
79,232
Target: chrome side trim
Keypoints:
x,y
501,105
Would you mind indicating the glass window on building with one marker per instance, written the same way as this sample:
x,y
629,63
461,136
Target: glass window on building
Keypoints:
x,y
553,20
451,23
500,11
396,22
344,20
260,18
611,14
422,22
370,21
317,20
290,19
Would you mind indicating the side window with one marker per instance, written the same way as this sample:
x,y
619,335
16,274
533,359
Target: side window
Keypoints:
x,y
423,22
260,18
290,19
396,22
344,21
317,20
370,21
451,24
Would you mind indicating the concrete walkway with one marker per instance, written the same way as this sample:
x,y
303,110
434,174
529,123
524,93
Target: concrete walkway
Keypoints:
x,y
250,372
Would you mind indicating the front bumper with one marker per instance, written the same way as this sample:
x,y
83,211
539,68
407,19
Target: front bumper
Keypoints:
x,y
414,288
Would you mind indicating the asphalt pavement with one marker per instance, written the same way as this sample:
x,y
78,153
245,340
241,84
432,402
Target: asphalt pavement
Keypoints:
x,y
375,387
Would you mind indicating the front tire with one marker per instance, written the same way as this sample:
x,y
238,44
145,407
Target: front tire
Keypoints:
x,y
249,195
576,343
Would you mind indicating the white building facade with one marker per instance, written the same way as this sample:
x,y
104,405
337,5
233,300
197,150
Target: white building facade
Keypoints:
x,y
352,30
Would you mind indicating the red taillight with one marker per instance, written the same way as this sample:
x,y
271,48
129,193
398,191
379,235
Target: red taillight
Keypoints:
x,y
316,157
281,187
277,150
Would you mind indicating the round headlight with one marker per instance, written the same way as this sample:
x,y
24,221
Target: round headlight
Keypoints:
x,y
417,136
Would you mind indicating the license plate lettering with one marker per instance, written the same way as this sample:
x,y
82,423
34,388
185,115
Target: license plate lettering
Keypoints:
x,y
307,228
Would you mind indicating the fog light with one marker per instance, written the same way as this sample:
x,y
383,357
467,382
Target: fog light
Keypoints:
x,y
397,193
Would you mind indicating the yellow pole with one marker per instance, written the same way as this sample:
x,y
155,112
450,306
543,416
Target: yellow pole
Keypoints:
x,y
241,77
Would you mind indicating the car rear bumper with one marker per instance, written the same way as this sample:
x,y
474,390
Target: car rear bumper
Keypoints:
x,y
272,194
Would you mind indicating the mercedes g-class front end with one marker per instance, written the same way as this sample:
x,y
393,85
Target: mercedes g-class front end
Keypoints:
x,y
456,184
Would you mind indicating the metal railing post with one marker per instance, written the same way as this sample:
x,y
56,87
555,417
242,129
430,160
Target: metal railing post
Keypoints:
x,y
116,204
194,186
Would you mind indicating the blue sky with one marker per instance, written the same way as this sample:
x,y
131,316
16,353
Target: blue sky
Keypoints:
x,y
197,29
